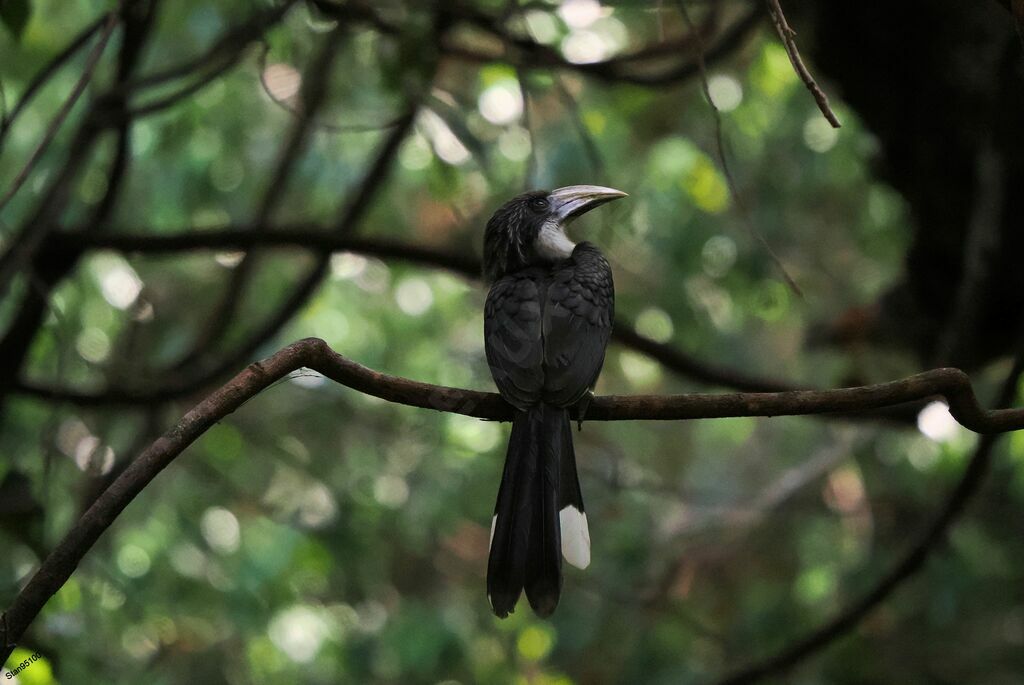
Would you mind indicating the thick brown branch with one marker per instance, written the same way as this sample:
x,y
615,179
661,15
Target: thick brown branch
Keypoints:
x,y
314,354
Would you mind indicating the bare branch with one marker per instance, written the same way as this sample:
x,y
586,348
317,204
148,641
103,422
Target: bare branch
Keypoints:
x,y
296,112
224,54
623,69
228,48
590,147
787,34
65,108
315,354
306,236
48,70
44,274
312,96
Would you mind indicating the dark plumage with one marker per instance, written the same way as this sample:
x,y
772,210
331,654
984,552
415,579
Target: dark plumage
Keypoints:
x,y
547,320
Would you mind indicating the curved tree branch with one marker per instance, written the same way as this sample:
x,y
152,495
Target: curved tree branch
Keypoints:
x,y
530,55
315,354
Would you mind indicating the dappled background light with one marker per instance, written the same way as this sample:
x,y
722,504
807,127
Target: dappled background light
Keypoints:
x,y
320,535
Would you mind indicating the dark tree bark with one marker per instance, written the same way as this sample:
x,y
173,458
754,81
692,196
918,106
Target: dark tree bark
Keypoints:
x,y
941,83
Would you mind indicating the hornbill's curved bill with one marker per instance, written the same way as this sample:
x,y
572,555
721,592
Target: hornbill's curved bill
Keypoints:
x,y
547,321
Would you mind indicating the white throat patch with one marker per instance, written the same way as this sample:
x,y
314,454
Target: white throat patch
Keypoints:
x,y
552,243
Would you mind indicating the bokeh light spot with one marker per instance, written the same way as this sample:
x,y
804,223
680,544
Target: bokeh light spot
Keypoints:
x,y
501,103
299,631
133,561
535,642
819,134
718,255
936,423
220,529
414,296
580,14
282,81
726,92
656,324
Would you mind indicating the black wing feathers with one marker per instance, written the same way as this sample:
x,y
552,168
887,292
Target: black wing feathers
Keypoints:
x,y
545,333
577,324
512,336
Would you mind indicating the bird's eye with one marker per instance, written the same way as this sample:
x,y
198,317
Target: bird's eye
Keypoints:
x,y
539,203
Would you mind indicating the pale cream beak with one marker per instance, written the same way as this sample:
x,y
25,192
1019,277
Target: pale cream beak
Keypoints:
x,y
572,201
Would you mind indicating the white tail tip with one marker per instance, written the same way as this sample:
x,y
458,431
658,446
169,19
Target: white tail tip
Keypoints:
x,y
575,536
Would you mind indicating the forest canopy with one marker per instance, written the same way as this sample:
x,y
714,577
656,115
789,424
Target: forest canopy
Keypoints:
x,y
189,187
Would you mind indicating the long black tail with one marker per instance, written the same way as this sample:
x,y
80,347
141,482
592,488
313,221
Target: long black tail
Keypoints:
x,y
538,483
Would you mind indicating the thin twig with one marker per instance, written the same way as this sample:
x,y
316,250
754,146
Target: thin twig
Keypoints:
x,y
748,222
14,346
51,67
65,109
228,48
590,147
160,104
312,95
787,34
530,172
319,125
758,505
224,54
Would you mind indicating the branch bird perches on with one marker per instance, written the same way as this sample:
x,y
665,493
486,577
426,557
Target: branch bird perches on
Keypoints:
x,y
315,354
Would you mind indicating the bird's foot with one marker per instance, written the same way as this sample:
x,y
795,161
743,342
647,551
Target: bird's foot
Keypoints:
x,y
581,409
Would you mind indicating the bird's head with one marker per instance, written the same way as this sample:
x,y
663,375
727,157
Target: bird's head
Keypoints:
x,y
530,228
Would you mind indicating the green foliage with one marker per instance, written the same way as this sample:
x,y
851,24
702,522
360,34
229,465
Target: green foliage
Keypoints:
x,y
320,536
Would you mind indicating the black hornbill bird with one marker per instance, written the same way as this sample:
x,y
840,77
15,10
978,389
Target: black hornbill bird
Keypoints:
x,y
547,321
